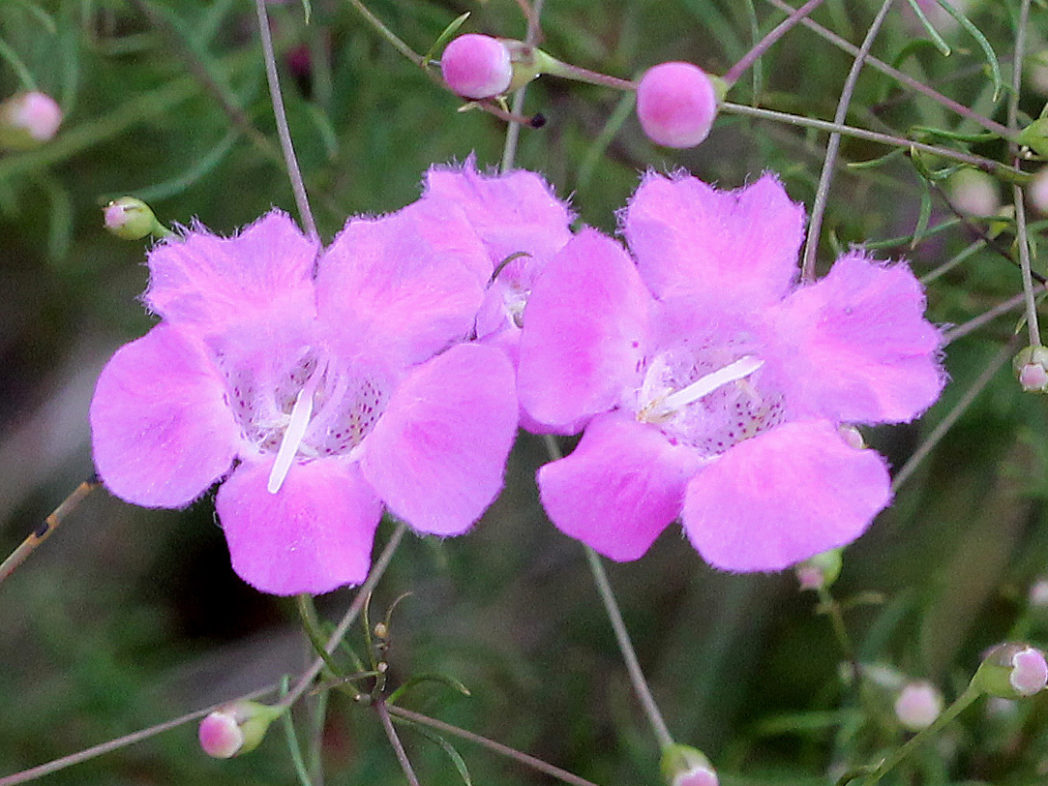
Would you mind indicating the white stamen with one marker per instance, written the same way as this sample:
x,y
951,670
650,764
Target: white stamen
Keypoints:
x,y
703,386
301,412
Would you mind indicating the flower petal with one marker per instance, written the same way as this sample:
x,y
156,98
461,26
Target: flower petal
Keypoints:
x,y
855,346
511,213
209,282
620,488
585,330
781,497
437,455
314,535
690,238
410,282
161,430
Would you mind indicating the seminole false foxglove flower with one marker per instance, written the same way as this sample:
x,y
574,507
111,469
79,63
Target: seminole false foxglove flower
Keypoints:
x,y
321,384
713,386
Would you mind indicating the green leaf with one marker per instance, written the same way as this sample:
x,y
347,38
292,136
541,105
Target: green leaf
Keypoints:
x,y
417,679
1035,137
449,749
444,36
937,39
976,33
924,216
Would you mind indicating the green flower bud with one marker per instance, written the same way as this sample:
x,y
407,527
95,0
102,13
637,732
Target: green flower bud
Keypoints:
x,y
132,219
683,765
236,728
1031,368
820,571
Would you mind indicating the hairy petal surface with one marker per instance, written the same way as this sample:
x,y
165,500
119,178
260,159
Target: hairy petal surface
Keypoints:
x,y
409,282
619,488
585,329
437,455
314,535
208,283
855,346
782,497
690,238
161,430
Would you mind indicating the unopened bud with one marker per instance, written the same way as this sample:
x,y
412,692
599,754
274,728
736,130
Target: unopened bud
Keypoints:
x,y
131,219
1031,368
477,66
27,120
676,104
1038,594
974,193
683,765
918,705
1012,671
820,571
236,728
852,436
1037,190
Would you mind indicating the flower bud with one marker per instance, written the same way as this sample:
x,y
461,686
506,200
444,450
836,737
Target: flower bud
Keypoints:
x,y
27,120
852,436
1031,368
676,104
820,571
476,66
1038,594
683,765
236,728
130,219
974,193
1012,671
1037,191
918,705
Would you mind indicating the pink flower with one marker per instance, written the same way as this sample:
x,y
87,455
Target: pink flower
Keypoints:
x,y
476,66
713,385
27,120
320,397
676,104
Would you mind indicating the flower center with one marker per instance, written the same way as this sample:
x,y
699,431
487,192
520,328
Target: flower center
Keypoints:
x,y
312,409
696,398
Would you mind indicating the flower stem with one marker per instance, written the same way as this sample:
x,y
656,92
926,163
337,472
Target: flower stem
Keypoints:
x,y
298,187
394,740
495,747
987,165
622,636
945,717
43,532
350,616
949,336
395,41
833,146
1021,237
899,76
640,685
944,425
762,46
509,150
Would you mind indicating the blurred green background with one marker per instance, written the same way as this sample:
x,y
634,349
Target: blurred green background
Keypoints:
x,y
128,617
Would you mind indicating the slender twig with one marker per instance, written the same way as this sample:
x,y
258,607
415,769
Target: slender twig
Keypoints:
x,y
122,742
833,146
43,532
937,433
924,735
395,41
899,76
394,740
985,164
350,616
975,323
1021,237
762,46
290,160
496,747
509,150
622,636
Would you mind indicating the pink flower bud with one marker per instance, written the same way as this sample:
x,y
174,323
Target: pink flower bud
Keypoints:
x,y
476,66
676,104
27,120
918,705
1031,369
129,218
236,728
974,193
1012,671
683,765
1037,189
819,571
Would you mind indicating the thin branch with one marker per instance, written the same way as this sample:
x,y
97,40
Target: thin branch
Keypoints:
x,y
762,46
290,160
394,740
987,316
496,747
811,245
509,150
